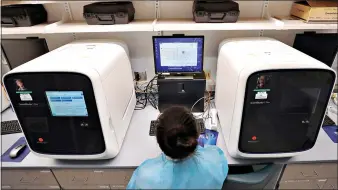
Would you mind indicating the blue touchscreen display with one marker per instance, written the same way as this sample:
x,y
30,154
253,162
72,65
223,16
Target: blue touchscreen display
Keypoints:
x,y
67,103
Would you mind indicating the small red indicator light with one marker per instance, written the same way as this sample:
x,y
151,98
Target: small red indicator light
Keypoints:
x,y
254,138
40,139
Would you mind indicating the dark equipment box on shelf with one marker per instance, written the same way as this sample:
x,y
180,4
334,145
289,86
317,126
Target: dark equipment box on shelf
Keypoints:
x,y
215,11
23,15
108,13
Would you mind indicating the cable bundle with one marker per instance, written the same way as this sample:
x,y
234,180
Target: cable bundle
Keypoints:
x,y
150,95
207,106
147,95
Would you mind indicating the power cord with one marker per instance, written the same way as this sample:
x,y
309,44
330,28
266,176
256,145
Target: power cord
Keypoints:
x,y
192,107
207,106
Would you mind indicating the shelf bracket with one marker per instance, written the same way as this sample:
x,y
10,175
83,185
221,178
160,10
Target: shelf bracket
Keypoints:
x,y
157,9
157,16
68,11
265,15
265,9
68,16
261,33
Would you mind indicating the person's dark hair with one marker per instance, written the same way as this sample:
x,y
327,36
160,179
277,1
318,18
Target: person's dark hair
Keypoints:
x,y
177,132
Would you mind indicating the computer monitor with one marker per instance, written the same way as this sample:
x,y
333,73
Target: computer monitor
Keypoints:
x,y
178,54
20,51
322,47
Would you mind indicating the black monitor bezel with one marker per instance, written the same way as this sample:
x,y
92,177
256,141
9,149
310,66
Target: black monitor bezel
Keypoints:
x,y
301,40
41,40
186,72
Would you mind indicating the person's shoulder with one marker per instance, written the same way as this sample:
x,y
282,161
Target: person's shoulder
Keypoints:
x,y
213,161
148,174
153,165
214,148
212,151
157,160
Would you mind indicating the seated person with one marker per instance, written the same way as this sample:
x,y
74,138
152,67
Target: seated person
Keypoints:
x,y
183,164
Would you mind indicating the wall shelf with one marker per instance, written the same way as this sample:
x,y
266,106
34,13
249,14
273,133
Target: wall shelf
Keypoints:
x,y
168,25
6,2
37,29
189,24
83,27
80,27
300,25
241,24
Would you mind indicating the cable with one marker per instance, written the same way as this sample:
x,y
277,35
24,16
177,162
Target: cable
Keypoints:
x,y
334,98
207,106
150,97
147,95
212,95
140,101
192,107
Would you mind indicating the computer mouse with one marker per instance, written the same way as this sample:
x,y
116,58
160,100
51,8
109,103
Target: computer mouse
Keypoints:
x,y
15,152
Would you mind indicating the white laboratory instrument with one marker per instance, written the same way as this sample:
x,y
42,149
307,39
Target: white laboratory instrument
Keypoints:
x,y
270,98
75,102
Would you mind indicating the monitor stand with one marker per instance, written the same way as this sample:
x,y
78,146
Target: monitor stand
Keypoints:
x,y
179,77
182,76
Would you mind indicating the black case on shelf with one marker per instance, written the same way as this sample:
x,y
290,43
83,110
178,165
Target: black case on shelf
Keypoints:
x,y
23,15
108,13
215,11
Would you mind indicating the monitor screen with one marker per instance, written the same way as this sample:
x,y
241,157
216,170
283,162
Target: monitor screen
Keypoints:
x,y
67,103
322,47
178,54
20,51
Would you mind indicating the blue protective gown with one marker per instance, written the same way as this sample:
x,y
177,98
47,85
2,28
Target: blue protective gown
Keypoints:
x,y
207,168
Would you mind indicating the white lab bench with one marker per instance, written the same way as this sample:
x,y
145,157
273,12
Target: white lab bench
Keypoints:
x,y
137,147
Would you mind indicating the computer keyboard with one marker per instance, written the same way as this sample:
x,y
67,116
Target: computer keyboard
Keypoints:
x,y
10,127
328,121
152,131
